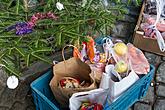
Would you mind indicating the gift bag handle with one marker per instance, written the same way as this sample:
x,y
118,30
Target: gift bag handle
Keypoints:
x,y
64,49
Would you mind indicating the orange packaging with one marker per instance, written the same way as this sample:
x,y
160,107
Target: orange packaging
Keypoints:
x,y
90,48
76,53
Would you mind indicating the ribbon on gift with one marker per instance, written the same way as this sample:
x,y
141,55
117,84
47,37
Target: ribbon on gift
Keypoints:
x,y
160,7
107,46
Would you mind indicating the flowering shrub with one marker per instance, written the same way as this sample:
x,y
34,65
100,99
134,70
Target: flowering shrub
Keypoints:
x,y
30,30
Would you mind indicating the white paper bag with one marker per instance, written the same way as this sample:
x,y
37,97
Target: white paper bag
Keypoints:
x,y
116,88
94,96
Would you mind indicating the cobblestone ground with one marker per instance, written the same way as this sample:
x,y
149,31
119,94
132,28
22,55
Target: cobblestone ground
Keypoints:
x,y
155,98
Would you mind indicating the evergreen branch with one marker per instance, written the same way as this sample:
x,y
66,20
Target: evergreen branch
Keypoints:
x,y
6,65
25,5
72,33
10,50
59,38
12,71
19,51
73,22
5,13
89,4
42,50
3,54
69,35
40,58
4,17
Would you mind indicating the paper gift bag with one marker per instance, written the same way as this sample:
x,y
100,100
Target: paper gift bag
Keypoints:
x,y
74,68
116,87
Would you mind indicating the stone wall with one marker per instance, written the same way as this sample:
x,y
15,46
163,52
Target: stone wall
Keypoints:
x,y
124,28
17,99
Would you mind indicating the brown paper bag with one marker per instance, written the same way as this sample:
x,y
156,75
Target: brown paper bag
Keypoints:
x,y
74,68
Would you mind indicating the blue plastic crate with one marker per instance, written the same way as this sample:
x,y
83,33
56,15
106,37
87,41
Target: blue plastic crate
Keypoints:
x,y
44,99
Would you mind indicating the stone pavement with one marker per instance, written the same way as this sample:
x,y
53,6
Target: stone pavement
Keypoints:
x,y
155,98
20,98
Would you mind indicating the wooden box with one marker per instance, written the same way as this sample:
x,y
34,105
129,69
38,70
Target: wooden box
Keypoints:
x,y
142,42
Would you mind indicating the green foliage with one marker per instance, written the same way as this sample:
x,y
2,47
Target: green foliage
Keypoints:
x,y
78,19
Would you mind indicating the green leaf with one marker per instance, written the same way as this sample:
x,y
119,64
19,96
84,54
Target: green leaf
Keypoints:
x,y
21,51
27,60
40,58
9,66
17,7
59,38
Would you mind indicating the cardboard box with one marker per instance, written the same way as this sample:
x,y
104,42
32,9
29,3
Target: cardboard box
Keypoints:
x,y
142,42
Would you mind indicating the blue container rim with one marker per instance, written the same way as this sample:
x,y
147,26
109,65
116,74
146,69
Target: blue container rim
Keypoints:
x,y
32,85
139,82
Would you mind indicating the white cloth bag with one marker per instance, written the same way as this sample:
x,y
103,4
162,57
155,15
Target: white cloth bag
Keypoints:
x,y
116,88
94,96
